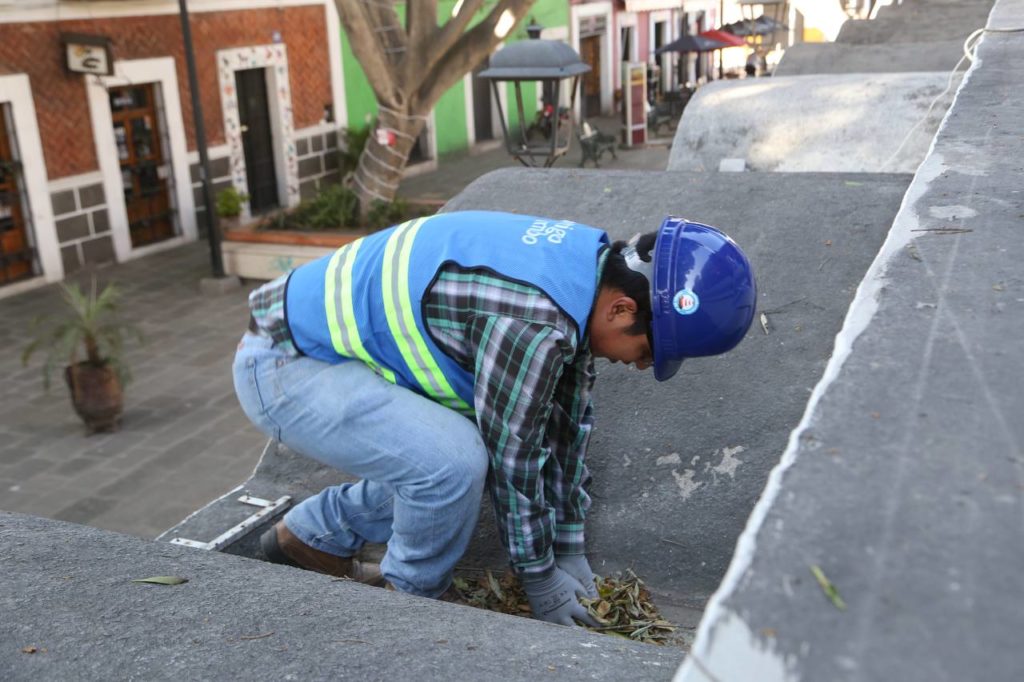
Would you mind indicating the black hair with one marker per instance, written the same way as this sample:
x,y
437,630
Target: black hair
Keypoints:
x,y
618,276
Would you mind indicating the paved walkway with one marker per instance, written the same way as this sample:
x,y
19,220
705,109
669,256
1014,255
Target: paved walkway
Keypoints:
x,y
184,440
457,171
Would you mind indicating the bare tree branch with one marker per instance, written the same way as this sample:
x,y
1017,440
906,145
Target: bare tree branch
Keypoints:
x,y
472,47
421,20
369,48
452,31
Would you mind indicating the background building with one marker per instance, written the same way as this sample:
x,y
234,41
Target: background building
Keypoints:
x,y
102,166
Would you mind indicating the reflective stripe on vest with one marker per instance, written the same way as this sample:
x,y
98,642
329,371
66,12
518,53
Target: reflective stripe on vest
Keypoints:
x,y
341,317
398,305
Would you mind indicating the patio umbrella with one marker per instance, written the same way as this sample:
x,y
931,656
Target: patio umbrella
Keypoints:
x,y
763,25
697,43
729,39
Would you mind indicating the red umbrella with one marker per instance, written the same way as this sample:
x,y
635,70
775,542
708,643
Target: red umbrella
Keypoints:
x,y
723,37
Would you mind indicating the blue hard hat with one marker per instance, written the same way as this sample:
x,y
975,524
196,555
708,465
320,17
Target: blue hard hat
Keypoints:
x,y
703,294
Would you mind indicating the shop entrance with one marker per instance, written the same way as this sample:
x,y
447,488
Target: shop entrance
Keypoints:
x,y
257,140
483,122
15,251
590,53
144,170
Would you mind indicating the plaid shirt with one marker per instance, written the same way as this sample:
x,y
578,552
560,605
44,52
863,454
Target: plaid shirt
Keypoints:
x,y
531,395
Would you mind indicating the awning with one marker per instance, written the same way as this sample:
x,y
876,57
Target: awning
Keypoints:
x,y
696,43
727,38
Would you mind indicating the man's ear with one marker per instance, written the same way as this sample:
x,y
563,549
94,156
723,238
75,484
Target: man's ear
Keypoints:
x,y
623,305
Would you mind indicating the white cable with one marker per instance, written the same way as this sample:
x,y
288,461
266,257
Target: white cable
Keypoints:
x,y
970,46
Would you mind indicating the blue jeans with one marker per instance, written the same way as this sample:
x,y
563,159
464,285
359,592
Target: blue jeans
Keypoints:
x,y
422,465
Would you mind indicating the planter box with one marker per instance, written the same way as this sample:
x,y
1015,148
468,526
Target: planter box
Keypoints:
x,y
266,254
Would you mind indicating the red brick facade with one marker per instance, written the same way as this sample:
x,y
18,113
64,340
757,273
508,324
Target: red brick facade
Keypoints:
x,y
60,98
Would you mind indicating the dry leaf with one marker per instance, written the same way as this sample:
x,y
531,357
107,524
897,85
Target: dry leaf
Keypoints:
x,y
623,606
162,580
828,588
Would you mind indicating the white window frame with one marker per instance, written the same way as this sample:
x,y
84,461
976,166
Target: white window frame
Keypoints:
x,y
16,92
626,20
160,71
663,16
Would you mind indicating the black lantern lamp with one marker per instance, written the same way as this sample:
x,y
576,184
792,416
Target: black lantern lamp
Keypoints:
x,y
549,62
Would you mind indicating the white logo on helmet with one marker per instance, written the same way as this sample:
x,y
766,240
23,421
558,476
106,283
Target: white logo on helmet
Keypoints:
x,y
685,302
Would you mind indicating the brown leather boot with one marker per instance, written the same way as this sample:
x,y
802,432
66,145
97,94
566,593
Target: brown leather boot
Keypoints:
x,y
280,546
451,595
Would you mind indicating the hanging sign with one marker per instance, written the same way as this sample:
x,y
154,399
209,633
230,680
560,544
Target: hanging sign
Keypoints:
x,y
87,54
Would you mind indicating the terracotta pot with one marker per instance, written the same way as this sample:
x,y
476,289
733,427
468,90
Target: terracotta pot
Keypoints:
x,y
96,394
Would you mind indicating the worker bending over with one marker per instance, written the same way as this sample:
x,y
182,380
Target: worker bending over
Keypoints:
x,y
454,350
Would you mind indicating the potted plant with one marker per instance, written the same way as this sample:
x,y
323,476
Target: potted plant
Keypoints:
x,y
90,338
229,207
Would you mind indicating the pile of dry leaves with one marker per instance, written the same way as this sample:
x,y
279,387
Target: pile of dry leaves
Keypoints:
x,y
623,606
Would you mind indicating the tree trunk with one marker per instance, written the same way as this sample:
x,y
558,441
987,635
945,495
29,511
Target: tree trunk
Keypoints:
x,y
381,165
410,65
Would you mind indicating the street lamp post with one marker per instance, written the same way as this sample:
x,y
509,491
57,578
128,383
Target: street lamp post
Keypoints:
x,y
549,62
212,229
773,15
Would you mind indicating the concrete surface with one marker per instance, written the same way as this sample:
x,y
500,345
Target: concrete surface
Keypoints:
x,y
904,482
921,21
67,594
851,123
459,170
916,35
805,59
679,465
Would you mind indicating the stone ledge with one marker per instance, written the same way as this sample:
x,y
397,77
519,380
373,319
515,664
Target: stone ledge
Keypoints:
x,y
68,593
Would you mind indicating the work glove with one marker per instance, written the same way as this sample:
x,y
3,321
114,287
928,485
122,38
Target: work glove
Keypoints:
x,y
555,599
577,566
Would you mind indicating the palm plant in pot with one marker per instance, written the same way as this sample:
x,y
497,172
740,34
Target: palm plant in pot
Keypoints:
x,y
90,338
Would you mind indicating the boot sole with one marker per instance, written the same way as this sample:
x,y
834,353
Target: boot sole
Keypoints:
x,y
272,551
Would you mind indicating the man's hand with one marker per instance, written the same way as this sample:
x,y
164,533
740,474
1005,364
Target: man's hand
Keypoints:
x,y
577,566
555,599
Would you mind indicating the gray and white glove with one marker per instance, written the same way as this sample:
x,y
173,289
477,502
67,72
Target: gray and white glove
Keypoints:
x,y
578,567
556,599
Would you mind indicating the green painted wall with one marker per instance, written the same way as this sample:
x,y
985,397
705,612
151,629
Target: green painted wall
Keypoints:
x,y
450,111
450,120
359,100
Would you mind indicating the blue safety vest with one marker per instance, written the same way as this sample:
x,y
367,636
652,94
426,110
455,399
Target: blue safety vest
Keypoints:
x,y
366,300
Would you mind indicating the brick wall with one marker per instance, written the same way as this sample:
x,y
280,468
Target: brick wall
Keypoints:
x,y
60,97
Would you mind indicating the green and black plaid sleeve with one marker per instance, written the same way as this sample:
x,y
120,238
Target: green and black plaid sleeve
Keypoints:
x,y
532,388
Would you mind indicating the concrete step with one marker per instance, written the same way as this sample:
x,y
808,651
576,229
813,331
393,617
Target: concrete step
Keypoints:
x,y
815,123
805,59
72,612
676,465
919,23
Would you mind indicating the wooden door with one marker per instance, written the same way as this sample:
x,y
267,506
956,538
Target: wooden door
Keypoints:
x,y
144,170
15,252
590,53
